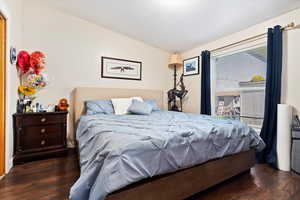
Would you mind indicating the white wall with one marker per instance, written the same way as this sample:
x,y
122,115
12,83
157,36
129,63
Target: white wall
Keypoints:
x,y
12,10
74,47
290,92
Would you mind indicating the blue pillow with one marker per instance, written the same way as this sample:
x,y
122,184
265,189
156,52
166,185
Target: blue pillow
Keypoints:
x,y
140,108
153,103
99,107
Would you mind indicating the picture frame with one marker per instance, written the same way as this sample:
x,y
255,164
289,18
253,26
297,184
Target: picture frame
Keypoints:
x,y
116,68
191,66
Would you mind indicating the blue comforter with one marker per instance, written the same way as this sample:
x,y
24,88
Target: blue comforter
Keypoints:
x,y
117,150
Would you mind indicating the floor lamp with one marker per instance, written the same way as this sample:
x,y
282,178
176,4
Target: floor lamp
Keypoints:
x,y
174,63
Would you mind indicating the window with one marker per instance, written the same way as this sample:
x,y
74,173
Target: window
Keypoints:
x,y
238,86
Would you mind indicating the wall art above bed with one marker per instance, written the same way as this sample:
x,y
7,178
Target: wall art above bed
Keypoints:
x,y
121,69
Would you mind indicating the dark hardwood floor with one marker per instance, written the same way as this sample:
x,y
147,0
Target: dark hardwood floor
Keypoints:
x,y
51,180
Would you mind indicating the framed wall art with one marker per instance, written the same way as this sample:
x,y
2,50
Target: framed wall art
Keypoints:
x,y
191,66
116,68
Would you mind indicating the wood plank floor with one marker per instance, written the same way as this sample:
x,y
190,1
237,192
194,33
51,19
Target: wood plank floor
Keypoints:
x,y
51,180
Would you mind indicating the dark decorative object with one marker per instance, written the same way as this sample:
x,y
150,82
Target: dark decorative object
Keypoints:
x,y
121,69
173,94
20,106
24,105
272,99
205,83
191,66
13,55
56,109
39,135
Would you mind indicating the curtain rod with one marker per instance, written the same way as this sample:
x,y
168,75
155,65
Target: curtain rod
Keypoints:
x,y
285,28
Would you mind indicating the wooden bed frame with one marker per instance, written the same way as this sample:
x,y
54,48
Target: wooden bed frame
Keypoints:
x,y
185,183
174,186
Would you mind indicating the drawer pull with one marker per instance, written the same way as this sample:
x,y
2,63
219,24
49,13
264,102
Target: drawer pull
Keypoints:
x,y
43,119
43,142
43,130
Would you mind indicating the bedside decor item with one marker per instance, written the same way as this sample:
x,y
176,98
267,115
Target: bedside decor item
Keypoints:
x,y
26,90
191,66
39,135
32,79
23,63
173,94
13,55
63,105
37,81
121,69
37,61
51,108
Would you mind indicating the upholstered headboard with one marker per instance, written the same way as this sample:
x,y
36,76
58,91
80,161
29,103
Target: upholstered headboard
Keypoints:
x,y
83,94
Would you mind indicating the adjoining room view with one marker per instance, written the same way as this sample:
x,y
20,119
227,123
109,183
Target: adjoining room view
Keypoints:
x,y
240,82
149,100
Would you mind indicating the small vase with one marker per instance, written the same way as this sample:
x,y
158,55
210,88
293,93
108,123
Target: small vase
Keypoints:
x,y
20,106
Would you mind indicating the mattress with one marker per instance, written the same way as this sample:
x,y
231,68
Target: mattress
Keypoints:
x,y
117,150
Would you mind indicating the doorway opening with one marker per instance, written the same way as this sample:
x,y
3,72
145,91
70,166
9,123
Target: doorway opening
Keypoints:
x,y
2,91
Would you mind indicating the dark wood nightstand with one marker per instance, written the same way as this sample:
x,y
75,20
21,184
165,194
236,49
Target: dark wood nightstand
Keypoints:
x,y
39,135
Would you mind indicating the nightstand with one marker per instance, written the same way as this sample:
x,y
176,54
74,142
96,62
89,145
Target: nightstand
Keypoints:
x,y
39,135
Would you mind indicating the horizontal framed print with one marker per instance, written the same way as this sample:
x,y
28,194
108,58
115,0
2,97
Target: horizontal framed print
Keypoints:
x,y
121,69
191,66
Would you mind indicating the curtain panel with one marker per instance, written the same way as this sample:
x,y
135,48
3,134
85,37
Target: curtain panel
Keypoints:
x,y
205,83
272,97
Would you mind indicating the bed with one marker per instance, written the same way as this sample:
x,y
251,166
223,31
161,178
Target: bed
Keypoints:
x,y
164,155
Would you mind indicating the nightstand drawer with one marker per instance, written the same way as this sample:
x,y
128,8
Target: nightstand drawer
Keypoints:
x,y
42,119
28,141
37,138
44,129
54,139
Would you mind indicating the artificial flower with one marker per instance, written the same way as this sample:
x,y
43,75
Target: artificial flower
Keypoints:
x,y
37,61
26,90
23,61
37,81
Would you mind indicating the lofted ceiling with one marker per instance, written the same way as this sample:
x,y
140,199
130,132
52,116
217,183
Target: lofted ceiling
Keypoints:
x,y
259,53
175,25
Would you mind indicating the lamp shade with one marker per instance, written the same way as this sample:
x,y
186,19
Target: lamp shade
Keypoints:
x,y
175,60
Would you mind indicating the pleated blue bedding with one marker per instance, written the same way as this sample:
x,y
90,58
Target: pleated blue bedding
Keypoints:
x,y
117,150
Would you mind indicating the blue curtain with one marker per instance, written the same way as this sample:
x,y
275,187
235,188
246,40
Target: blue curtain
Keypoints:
x,y
205,83
272,98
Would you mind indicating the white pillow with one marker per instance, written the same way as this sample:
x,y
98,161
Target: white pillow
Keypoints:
x,y
121,105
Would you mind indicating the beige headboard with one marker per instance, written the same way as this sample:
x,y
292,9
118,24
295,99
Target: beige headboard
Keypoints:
x,y
90,93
